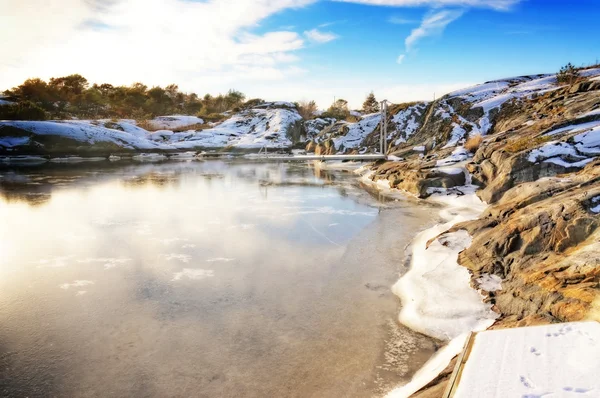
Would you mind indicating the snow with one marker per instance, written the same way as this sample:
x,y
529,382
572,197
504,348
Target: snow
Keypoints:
x,y
489,282
557,360
431,369
590,72
174,121
315,126
583,150
357,132
255,128
574,128
590,113
460,154
405,122
420,148
355,113
596,202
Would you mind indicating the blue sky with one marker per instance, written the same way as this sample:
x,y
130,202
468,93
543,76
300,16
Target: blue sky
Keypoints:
x,y
298,49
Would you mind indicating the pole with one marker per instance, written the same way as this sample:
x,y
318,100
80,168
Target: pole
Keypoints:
x,y
383,128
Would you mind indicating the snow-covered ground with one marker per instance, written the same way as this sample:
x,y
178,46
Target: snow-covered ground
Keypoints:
x,y
357,132
255,128
174,121
559,360
315,126
404,123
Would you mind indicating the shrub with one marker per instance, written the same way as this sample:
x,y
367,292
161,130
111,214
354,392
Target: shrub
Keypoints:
x,y
307,109
473,143
252,103
214,117
568,74
24,110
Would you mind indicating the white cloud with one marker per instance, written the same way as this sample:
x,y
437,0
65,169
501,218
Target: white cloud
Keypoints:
x,y
317,36
201,45
494,4
432,25
400,58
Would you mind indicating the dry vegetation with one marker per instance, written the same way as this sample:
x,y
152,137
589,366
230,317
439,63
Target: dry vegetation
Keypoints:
x,y
473,143
522,143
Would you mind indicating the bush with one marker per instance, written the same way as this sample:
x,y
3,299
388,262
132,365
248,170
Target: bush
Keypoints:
x,y
473,143
252,103
307,109
214,117
568,74
25,110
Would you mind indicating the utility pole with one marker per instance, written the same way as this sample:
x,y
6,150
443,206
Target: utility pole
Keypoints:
x,y
383,127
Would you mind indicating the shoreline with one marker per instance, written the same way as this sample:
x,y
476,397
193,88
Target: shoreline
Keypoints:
x,y
435,277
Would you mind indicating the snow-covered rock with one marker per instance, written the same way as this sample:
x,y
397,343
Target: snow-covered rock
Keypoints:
x,y
68,136
253,128
174,122
315,126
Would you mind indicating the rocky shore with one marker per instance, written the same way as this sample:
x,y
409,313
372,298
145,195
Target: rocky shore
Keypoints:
x,y
534,251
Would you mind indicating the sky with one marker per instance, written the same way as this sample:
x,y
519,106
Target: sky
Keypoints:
x,y
293,50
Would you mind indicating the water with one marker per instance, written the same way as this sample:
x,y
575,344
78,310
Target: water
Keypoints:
x,y
204,279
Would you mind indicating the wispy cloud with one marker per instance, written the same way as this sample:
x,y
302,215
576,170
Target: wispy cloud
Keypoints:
x,y
317,36
402,21
494,4
326,24
433,24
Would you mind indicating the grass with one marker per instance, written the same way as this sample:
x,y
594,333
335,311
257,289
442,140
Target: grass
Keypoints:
x,y
520,144
473,143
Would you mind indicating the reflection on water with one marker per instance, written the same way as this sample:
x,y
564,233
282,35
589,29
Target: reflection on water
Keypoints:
x,y
207,279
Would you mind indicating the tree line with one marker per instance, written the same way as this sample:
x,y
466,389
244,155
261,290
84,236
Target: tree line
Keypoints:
x,y
73,96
